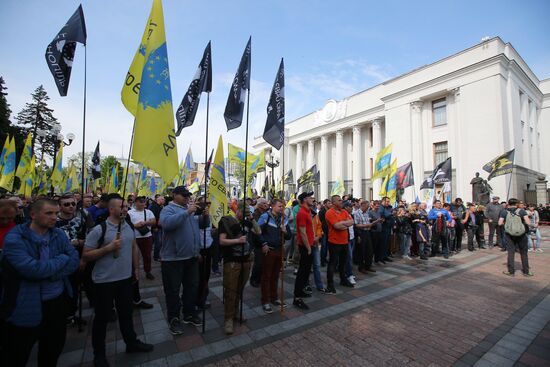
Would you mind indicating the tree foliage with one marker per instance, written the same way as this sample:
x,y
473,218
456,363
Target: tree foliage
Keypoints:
x,y
6,127
37,115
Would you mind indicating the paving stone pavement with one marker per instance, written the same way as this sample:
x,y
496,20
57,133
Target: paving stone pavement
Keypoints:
x,y
462,311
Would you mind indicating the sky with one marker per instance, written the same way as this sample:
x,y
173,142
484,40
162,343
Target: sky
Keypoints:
x,y
331,50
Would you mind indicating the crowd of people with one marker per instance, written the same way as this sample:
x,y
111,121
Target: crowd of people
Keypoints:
x,y
55,249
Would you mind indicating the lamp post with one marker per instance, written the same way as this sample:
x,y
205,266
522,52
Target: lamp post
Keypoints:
x,y
59,140
272,164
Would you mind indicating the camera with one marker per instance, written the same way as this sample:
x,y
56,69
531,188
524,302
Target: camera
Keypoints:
x,y
201,207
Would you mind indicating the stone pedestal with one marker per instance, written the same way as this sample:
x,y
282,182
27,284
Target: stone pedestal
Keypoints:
x,y
541,188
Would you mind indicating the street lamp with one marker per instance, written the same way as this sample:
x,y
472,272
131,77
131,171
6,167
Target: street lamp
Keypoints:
x,y
59,140
272,164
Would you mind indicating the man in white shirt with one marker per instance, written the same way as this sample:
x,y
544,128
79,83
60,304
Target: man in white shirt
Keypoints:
x,y
143,219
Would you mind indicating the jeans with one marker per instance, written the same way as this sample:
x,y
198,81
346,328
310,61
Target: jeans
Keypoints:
x,y
157,243
440,238
121,293
176,275
538,238
377,245
337,255
349,260
145,246
303,272
256,275
521,244
423,249
366,251
270,275
50,335
405,243
235,275
316,253
494,228
324,248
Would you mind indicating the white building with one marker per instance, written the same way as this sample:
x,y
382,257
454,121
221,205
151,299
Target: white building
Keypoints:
x,y
471,106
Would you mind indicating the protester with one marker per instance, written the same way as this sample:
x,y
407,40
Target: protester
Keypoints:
x,y
366,250
386,212
440,218
205,250
305,238
470,225
180,258
338,221
316,252
422,233
516,225
156,207
274,232
533,230
404,232
348,207
8,212
480,231
459,211
451,230
99,212
38,260
262,206
327,204
492,211
236,251
115,253
143,219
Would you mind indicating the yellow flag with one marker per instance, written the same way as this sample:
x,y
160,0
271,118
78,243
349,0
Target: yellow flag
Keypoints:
x,y
382,162
71,183
57,174
8,171
391,189
28,181
217,191
113,180
3,153
147,95
24,166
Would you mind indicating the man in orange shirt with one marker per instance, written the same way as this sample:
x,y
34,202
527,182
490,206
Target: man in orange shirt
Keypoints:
x,y
338,222
305,238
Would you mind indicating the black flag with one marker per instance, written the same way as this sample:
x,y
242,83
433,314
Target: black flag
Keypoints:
x,y
405,177
274,132
288,178
202,82
60,52
501,165
96,167
442,173
308,177
235,101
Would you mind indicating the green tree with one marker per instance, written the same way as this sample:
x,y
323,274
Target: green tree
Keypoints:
x,y
6,127
37,115
107,163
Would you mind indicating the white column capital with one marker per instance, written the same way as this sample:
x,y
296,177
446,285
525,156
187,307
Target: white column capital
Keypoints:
x,y
456,91
356,129
417,106
339,133
300,144
376,124
324,139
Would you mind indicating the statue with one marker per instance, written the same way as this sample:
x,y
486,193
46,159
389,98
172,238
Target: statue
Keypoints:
x,y
476,183
481,190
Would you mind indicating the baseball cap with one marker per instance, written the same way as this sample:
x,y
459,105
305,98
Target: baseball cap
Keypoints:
x,y
181,190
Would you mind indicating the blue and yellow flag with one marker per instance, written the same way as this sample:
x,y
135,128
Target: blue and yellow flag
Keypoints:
x,y
217,190
382,163
8,171
24,166
72,182
113,180
57,174
338,187
255,163
3,153
194,188
391,189
147,95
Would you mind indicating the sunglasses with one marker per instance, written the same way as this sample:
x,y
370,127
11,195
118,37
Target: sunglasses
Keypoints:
x,y
69,204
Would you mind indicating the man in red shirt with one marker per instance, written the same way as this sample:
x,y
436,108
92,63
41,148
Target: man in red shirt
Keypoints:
x,y
305,237
338,222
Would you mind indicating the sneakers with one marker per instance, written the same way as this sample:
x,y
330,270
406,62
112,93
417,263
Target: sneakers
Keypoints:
x,y
322,290
530,250
193,320
298,302
267,308
422,257
346,284
351,280
278,303
308,289
143,305
176,328
228,327
407,257
139,347
540,250
149,276
505,272
528,274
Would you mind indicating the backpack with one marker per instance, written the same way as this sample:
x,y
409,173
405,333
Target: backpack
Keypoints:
x,y
101,241
514,224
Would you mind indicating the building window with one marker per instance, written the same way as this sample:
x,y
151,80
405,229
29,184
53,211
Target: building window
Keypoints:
x,y
441,152
439,112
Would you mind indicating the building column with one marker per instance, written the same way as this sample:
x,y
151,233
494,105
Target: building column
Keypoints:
x,y
357,163
298,160
323,168
416,142
310,150
376,147
338,169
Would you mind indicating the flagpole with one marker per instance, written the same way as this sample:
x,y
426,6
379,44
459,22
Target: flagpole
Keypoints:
x,y
82,174
509,184
205,271
282,298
